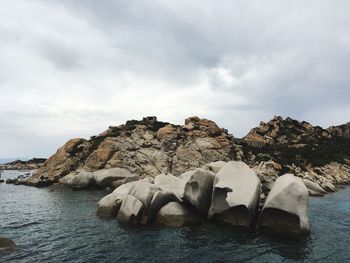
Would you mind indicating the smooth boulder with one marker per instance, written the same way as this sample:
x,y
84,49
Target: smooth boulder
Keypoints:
x,y
109,205
130,210
78,180
171,183
175,214
113,176
198,189
215,167
236,193
286,207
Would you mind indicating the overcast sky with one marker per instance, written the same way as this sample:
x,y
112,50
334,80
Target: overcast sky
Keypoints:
x,y
72,68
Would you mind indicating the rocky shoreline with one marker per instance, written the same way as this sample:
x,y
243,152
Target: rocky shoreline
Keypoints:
x,y
32,164
158,155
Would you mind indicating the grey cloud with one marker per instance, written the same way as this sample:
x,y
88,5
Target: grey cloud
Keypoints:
x,y
71,68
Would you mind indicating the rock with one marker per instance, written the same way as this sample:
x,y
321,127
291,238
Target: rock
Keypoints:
x,y
144,192
170,183
236,194
159,200
175,214
314,193
31,164
11,181
314,188
64,161
113,176
6,245
216,166
128,179
78,181
109,205
130,210
328,187
198,190
166,132
2,181
286,207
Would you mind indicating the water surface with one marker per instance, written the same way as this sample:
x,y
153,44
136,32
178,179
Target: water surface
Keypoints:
x,y
61,226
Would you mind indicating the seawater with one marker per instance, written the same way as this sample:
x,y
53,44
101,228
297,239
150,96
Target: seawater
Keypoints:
x,y
61,226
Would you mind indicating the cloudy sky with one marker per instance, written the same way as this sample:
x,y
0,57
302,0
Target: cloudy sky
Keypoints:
x,y
72,68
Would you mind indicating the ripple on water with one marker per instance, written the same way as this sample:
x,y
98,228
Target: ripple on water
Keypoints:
x,y
61,226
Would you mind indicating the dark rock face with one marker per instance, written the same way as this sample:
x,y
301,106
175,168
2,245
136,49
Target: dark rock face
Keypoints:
x,y
6,246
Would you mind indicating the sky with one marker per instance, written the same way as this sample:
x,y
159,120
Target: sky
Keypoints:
x,y
72,68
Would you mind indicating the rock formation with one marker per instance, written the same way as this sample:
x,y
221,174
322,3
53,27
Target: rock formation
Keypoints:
x,y
149,147
286,207
175,214
236,194
31,164
145,148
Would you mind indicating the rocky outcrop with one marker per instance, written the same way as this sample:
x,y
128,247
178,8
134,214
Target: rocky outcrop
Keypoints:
x,y
145,148
286,131
236,194
6,246
340,131
32,164
67,159
175,214
148,147
286,207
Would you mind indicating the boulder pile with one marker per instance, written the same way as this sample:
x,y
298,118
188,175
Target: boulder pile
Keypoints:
x,y
220,191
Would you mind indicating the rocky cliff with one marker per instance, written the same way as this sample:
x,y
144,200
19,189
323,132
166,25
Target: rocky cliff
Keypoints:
x,y
145,148
150,147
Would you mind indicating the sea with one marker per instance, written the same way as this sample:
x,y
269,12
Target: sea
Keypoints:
x,y
59,225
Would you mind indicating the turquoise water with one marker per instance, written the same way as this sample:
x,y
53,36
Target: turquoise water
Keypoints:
x,y
61,226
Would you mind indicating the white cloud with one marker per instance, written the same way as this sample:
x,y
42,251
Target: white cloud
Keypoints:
x,y
72,68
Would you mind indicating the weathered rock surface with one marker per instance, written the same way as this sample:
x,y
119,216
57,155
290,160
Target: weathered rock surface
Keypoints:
x,y
216,166
31,164
198,189
6,245
146,148
130,210
236,194
67,159
109,205
286,207
175,214
82,179
113,176
171,183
